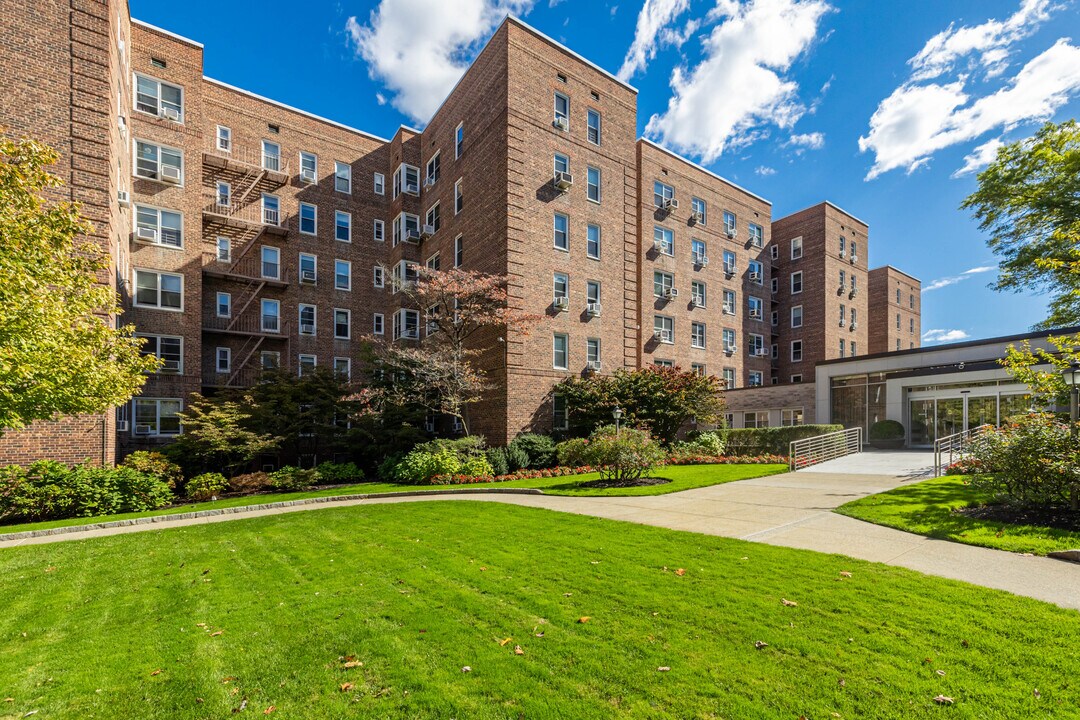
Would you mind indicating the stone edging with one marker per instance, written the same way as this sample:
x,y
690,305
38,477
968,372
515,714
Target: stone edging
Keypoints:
x,y
241,509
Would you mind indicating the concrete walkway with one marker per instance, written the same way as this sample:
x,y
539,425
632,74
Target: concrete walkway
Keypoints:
x,y
791,510
908,464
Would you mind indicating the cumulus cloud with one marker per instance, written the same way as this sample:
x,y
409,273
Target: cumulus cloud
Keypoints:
x,y
953,279
740,85
765,170
420,48
920,117
942,335
980,158
812,141
653,30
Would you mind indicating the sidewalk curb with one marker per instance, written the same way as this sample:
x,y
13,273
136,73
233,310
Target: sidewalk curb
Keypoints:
x,y
242,509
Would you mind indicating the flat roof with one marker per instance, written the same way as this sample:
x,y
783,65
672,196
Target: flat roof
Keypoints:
x,y
831,204
694,165
896,269
173,35
515,19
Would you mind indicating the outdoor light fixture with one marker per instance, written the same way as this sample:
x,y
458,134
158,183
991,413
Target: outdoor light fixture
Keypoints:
x,y
617,414
1071,376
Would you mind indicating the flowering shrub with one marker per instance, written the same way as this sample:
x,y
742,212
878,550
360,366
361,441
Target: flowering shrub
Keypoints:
x,y
966,466
1033,461
623,455
706,444
727,460
572,452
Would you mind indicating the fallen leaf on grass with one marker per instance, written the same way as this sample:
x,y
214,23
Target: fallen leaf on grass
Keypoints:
x,y
269,710
943,700
9,699
940,672
353,664
226,680
584,619
215,634
32,712
680,572
759,645
243,706
845,573
843,682
518,650
51,568
346,687
466,669
594,562
156,672
201,625
789,603
504,642
663,668
1037,693
539,634
836,715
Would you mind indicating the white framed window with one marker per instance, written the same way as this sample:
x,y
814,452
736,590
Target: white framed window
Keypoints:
x,y
406,324
159,227
699,211
269,359
797,378
306,364
698,293
854,251
754,379
729,302
459,198
796,351
406,228
592,241
379,276
433,219
757,345
160,290
562,111
757,235
434,262
774,285
223,194
775,353
223,359
796,316
270,267
592,351
379,231
342,177
309,268
459,250
459,140
661,193
406,180
433,170
664,363
378,324
592,184
309,167
756,308
698,369
663,282
223,305
561,232
155,97
343,367
342,324
157,162
664,329
271,156
843,246
698,252
730,340
379,184
308,319
271,209
755,272
729,381
560,351
562,163
342,226
731,225
843,345
664,240
560,286
796,283
156,417
791,417
774,251
697,335
342,275
270,315
730,266
593,120
167,348
592,292
560,419
796,248
854,352
224,139
309,219
774,318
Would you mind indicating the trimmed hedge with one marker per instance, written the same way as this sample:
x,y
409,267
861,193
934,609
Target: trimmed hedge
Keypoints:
x,y
886,430
772,440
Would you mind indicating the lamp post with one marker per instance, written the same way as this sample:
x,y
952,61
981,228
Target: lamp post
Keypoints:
x,y
1071,375
617,414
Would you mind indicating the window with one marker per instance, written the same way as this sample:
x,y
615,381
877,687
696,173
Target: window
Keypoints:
x,y
699,211
754,380
697,369
459,140
592,292
757,235
168,349
661,193
897,344
593,121
562,163
305,365
271,156
664,329
156,162
307,319
897,321
342,275
309,167
854,352
271,316
791,417
271,263
223,194
729,380
459,199
343,367
224,359
796,283
796,248
269,359
562,111
664,240
592,351
774,318
433,170
562,232
406,180
843,246
897,296
729,340
592,184
379,231
342,177
378,324
592,241
911,301
561,286
559,417
730,224
459,250
729,262
755,271
560,361
662,283
697,335
775,354
224,138
843,315
757,345
854,284
434,262
406,324
343,226
756,307
854,318
729,302
698,293
224,305
157,417
755,419
308,218
164,291
406,228
911,326
271,210
379,184
308,268
842,347
159,98
796,316
854,251
796,378
697,252
796,351
160,227
774,285
433,219
342,324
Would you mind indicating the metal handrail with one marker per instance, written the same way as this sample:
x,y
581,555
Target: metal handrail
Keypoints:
x,y
811,451
955,445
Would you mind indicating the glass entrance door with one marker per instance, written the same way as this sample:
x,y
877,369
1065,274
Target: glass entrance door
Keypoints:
x,y
950,416
922,422
981,411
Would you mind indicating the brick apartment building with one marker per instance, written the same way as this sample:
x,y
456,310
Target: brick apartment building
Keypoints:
x,y
245,233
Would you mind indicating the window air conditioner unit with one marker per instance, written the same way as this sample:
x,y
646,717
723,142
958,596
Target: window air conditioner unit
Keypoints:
x,y
842,323
729,349
170,114
658,335
701,260
123,198
853,293
729,270
143,429
697,218
731,231
854,259
170,366
561,124
427,231
755,277
429,182
307,276
307,175
410,333
671,293
854,326
594,366
170,174
146,233
412,235
562,304
843,253
840,290
755,314
670,204
121,426
307,329
694,302
563,181
593,310
658,245
412,188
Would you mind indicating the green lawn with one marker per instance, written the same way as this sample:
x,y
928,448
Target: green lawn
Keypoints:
x,y
195,622
683,477
926,508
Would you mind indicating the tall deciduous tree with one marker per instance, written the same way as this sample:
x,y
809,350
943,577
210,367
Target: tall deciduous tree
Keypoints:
x,y
59,353
1029,201
1047,385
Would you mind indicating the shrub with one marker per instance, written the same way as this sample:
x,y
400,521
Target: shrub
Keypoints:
x,y
469,446
157,465
1033,461
516,458
206,486
540,449
774,440
623,455
573,453
477,467
706,444
419,466
293,478
249,482
48,490
497,459
333,473
886,430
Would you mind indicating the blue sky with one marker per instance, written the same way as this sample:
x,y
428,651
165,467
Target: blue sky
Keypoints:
x,y
885,108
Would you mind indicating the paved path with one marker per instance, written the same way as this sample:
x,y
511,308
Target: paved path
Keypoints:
x,y
792,510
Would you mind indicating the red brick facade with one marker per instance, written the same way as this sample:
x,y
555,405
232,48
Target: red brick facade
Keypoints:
x,y
895,310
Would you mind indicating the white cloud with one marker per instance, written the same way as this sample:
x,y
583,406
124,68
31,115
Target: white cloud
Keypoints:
x,y
420,48
652,32
812,141
936,336
980,158
920,118
765,171
740,84
953,279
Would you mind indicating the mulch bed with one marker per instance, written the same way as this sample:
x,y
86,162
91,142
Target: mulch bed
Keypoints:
x,y
1060,518
640,482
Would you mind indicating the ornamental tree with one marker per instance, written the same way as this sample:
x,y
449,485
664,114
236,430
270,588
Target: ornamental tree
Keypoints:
x,y
215,437
1047,386
59,353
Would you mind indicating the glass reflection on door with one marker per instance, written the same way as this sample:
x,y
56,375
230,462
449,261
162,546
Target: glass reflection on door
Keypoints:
x,y
981,411
950,416
922,422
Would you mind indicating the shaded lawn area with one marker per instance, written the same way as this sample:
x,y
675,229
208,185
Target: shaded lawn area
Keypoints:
x,y
683,477
374,611
925,508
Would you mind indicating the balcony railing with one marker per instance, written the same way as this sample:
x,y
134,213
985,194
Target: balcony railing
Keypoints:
x,y
253,215
251,322
242,159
